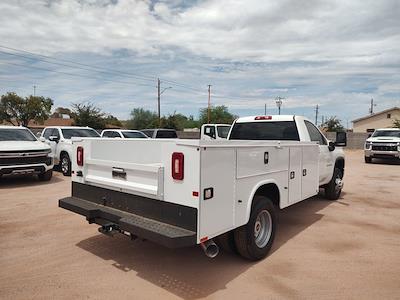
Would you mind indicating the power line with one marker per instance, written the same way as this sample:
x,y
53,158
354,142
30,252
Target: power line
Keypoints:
x,y
72,74
77,63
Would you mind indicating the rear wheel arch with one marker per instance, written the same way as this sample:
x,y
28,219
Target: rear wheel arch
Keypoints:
x,y
267,189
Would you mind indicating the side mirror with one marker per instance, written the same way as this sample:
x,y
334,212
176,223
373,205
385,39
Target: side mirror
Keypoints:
x,y
331,146
369,135
341,139
54,138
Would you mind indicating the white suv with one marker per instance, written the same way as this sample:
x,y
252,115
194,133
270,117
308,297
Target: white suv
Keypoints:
x,y
123,134
383,143
59,139
22,153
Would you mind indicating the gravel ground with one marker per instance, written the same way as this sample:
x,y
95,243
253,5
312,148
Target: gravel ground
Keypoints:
x,y
324,250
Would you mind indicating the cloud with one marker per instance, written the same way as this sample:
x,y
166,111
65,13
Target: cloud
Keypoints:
x,y
250,51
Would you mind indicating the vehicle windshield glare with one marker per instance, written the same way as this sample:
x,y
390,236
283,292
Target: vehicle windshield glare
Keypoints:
x,y
16,135
389,133
223,131
133,134
79,132
269,131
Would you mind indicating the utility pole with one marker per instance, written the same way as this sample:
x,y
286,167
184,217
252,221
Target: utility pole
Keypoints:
x,y
158,101
209,103
34,91
316,115
279,102
159,93
265,109
371,109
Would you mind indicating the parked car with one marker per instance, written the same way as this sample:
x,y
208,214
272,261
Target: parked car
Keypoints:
x,y
59,139
123,134
214,131
383,143
22,153
184,192
160,133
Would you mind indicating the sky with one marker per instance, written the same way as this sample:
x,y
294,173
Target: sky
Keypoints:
x,y
334,54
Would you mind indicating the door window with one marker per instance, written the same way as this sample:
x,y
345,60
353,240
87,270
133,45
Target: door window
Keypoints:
x,y
315,134
47,132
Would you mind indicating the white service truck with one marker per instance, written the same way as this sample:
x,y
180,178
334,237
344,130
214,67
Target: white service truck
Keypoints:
x,y
185,192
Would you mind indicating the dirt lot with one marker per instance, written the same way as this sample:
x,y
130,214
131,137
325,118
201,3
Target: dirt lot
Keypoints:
x,y
344,249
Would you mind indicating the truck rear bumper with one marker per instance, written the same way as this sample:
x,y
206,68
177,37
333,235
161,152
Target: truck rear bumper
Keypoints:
x,y
162,233
167,224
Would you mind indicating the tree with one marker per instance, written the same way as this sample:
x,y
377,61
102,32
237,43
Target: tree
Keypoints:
x,y
332,124
141,119
86,114
174,121
218,114
396,123
113,121
19,111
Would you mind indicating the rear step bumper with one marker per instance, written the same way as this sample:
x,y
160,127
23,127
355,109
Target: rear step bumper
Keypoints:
x,y
162,233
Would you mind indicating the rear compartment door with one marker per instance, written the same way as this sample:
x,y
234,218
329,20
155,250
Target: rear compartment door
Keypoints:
x,y
295,174
218,181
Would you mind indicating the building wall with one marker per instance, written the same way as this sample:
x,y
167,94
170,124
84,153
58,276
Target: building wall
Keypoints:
x,y
377,121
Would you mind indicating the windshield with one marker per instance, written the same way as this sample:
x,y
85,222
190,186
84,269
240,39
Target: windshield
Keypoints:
x,y
223,131
79,132
16,135
278,131
133,134
389,133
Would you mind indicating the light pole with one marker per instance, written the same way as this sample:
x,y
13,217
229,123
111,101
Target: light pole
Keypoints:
x,y
279,102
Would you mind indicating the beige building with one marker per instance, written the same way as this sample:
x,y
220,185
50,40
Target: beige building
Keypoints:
x,y
377,120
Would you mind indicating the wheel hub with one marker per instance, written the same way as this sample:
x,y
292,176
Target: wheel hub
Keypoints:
x,y
263,228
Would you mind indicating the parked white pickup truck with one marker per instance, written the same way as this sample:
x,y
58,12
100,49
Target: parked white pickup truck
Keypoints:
x,y
185,192
22,153
214,131
383,143
59,139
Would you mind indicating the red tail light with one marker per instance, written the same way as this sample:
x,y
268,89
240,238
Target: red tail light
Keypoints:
x,y
177,165
263,118
79,156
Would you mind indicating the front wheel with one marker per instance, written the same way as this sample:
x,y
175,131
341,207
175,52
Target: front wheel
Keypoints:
x,y
334,188
254,240
65,165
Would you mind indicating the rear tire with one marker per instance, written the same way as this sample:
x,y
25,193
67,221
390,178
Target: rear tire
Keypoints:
x,y
65,164
368,160
334,188
46,176
254,240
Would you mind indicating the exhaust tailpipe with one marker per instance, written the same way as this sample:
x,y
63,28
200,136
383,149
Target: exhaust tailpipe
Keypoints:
x,y
210,248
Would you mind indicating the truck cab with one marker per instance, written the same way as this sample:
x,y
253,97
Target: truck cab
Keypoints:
x,y
214,131
294,128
